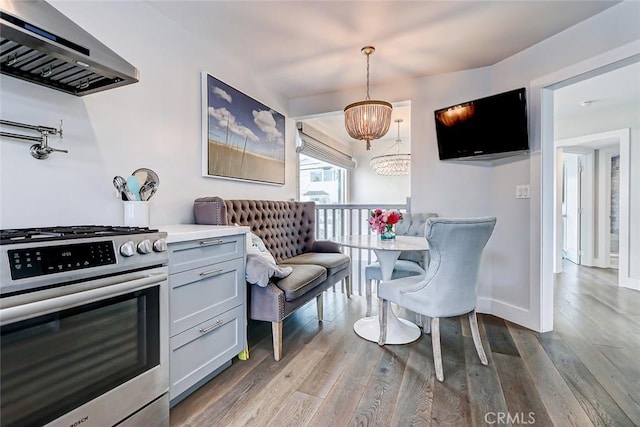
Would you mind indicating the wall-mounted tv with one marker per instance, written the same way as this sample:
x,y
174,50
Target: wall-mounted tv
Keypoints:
x,y
488,128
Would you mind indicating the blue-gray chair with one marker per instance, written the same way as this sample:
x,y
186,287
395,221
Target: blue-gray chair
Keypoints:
x,y
450,285
409,263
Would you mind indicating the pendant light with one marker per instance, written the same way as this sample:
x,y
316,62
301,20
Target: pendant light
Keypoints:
x,y
392,164
369,119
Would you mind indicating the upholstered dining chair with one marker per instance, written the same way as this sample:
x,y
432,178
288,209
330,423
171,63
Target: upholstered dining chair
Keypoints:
x,y
409,263
450,285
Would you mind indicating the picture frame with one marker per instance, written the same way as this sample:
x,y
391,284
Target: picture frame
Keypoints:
x,y
242,139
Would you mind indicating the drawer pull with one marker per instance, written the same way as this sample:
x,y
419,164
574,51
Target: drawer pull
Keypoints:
x,y
212,327
210,272
211,242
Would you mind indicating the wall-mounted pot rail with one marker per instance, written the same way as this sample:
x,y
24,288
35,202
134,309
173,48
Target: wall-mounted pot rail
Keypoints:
x,y
41,150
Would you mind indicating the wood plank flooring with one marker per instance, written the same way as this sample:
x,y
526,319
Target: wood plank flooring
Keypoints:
x,y
584,373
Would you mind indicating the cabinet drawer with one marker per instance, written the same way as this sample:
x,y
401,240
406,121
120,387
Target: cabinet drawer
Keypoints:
x,y
197,253
200,294
201,350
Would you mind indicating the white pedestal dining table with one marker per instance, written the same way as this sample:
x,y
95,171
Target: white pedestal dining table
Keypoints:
x,y
399,331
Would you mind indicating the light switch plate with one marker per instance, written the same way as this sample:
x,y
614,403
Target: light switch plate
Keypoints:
x,y
522,191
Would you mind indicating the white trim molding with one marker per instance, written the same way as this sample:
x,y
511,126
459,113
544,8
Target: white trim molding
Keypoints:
x,y
543,166
504,310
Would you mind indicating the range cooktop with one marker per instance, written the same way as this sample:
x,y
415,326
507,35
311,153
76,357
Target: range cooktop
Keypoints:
x,y
23,235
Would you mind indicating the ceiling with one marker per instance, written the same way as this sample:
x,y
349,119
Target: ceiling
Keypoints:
x,y
304,48
617,90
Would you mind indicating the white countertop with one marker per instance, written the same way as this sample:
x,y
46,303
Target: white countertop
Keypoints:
x,y
185,232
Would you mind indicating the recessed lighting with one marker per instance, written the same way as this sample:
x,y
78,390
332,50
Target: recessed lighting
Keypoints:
x,y
586,103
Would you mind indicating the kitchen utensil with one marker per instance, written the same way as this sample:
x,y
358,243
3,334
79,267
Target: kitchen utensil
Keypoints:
x,y
145,192
148,190
154,188
119,183
130,196
134,186
151,182
147,174
141,175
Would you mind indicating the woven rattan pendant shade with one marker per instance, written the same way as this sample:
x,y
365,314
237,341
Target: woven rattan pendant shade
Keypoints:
x,y
369,119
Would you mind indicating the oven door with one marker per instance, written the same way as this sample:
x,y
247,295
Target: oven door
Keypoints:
x,y
93,353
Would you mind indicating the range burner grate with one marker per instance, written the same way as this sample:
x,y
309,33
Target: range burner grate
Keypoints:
x,y
67,232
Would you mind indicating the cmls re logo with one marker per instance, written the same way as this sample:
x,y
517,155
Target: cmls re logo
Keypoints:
x,y
509,418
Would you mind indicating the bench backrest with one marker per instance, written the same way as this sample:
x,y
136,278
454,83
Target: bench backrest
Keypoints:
x,y
287,228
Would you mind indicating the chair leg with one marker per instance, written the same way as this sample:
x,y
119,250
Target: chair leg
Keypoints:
x,y
475,333
319,303
276,331
435,343
367,292
347,286
382,316
426,324
419,320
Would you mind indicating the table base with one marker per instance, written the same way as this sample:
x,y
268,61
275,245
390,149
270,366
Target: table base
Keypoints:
x,y
399,331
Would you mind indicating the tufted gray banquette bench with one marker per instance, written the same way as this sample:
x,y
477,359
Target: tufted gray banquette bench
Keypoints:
x,y
287,229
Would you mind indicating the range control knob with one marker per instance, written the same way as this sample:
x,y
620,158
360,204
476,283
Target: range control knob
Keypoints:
x,y
128,249
160,245
145,247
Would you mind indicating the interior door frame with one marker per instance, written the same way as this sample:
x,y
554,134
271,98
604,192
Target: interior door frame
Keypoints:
x,y
587,246
604,216
543,167
603,142
561,246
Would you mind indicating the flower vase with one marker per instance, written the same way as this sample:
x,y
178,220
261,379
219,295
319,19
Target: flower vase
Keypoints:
x,y
389,233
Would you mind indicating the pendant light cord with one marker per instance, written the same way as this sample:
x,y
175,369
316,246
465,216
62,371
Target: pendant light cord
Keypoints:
x,y
398,140
368,97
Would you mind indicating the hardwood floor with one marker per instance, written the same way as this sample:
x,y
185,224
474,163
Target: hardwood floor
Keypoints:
x,y
586,372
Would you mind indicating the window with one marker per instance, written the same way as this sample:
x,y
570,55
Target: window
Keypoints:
x,y
316,176
321,182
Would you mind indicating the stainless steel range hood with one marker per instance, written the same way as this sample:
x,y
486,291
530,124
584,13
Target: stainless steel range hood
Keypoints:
x,y
41,45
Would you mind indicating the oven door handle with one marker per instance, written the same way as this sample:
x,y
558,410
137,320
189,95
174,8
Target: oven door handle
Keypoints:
x,y
51,305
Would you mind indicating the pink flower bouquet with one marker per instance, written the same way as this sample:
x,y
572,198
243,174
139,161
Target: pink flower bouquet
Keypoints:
x,y
383,221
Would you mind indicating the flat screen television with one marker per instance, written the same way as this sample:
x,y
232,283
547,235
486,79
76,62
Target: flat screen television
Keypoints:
x,y
488,128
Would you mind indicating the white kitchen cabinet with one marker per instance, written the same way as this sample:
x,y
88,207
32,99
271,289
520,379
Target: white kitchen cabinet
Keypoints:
x,y
207,303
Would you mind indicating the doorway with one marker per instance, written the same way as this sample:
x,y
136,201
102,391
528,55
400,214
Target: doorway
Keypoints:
x,y
594,191
543,94
589,201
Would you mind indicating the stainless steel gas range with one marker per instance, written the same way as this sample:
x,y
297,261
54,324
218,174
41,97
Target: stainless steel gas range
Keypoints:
x,y
84,327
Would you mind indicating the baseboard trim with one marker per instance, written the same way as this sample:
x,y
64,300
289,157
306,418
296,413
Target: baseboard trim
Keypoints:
x,y
629,282
510,312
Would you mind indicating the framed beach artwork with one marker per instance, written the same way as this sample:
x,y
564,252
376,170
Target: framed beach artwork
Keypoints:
x,y
242,138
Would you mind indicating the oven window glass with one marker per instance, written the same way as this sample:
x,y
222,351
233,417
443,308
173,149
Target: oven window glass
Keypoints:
x,y
54,363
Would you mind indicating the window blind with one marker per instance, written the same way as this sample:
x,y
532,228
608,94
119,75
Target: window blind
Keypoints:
x,y
313,143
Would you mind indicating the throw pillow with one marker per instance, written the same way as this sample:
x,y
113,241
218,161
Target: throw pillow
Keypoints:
x,y
261,266
259,270
256,246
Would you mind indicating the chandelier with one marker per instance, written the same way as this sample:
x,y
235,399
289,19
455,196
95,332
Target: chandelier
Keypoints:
x,y
392,164
369,119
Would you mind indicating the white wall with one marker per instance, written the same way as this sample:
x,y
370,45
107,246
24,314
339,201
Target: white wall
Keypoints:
x,y
155,123
367,186
454,189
